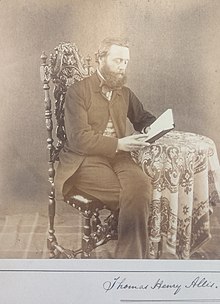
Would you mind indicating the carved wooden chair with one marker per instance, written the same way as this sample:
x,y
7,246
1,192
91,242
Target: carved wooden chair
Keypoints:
x,y
64,67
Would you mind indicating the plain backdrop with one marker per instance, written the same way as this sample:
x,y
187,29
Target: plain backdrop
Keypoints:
x,y
175,63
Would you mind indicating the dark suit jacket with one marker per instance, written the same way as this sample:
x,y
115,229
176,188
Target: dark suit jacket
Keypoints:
x,y
86,117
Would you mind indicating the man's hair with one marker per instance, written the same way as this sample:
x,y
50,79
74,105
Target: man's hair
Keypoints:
x,y
106,45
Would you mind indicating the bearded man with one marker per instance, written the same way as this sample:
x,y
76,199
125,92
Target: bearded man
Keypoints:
x,y
96,158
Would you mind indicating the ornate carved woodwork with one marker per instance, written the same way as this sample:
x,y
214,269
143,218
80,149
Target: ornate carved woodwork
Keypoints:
x,y
65,66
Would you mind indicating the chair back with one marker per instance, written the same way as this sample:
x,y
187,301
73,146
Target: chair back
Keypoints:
x,y
64,66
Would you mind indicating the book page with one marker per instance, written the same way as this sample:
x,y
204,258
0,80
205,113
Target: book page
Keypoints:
x,y
162,125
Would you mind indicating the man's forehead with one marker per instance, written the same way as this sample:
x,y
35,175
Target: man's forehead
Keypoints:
x,y
118,51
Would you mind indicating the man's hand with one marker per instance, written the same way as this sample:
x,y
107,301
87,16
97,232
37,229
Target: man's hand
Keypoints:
x,y
133,142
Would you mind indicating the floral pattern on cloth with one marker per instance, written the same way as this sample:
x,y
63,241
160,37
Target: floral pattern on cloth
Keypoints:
x,y
185,174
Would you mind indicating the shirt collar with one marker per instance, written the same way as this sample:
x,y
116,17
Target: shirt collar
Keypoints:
x,y
100,75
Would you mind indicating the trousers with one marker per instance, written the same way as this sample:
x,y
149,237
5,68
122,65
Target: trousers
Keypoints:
x,y
119,183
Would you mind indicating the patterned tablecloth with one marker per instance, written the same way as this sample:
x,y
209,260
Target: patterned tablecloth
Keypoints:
x,y
185,174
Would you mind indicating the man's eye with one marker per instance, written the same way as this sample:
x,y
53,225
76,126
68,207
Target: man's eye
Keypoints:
x,y
118,61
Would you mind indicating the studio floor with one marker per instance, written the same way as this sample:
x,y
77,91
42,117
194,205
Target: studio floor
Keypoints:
x,y
23,234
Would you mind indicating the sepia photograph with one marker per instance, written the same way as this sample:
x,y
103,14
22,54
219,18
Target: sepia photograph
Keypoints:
x,y
110,135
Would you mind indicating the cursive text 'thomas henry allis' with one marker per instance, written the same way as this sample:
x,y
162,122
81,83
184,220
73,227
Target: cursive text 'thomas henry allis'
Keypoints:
x,y
119,283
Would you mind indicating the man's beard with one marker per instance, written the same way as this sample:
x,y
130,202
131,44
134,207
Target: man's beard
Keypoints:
x,y
113,80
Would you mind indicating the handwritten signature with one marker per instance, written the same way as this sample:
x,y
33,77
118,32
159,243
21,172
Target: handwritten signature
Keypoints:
x,y
119,283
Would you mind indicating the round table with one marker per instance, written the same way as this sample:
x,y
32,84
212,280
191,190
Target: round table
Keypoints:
x,y
185,174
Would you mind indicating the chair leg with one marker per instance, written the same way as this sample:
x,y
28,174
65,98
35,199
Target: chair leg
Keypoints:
x,y
51,240
87,240
95,234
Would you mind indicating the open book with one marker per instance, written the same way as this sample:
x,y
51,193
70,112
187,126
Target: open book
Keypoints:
x,y
163,124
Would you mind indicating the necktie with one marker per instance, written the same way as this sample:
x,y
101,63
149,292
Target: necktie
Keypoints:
x,y
106,92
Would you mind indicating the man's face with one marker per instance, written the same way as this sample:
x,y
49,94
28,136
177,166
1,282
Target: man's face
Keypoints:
x,y
113,66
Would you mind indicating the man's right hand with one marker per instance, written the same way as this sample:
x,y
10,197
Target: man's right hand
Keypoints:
x,y
132,142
